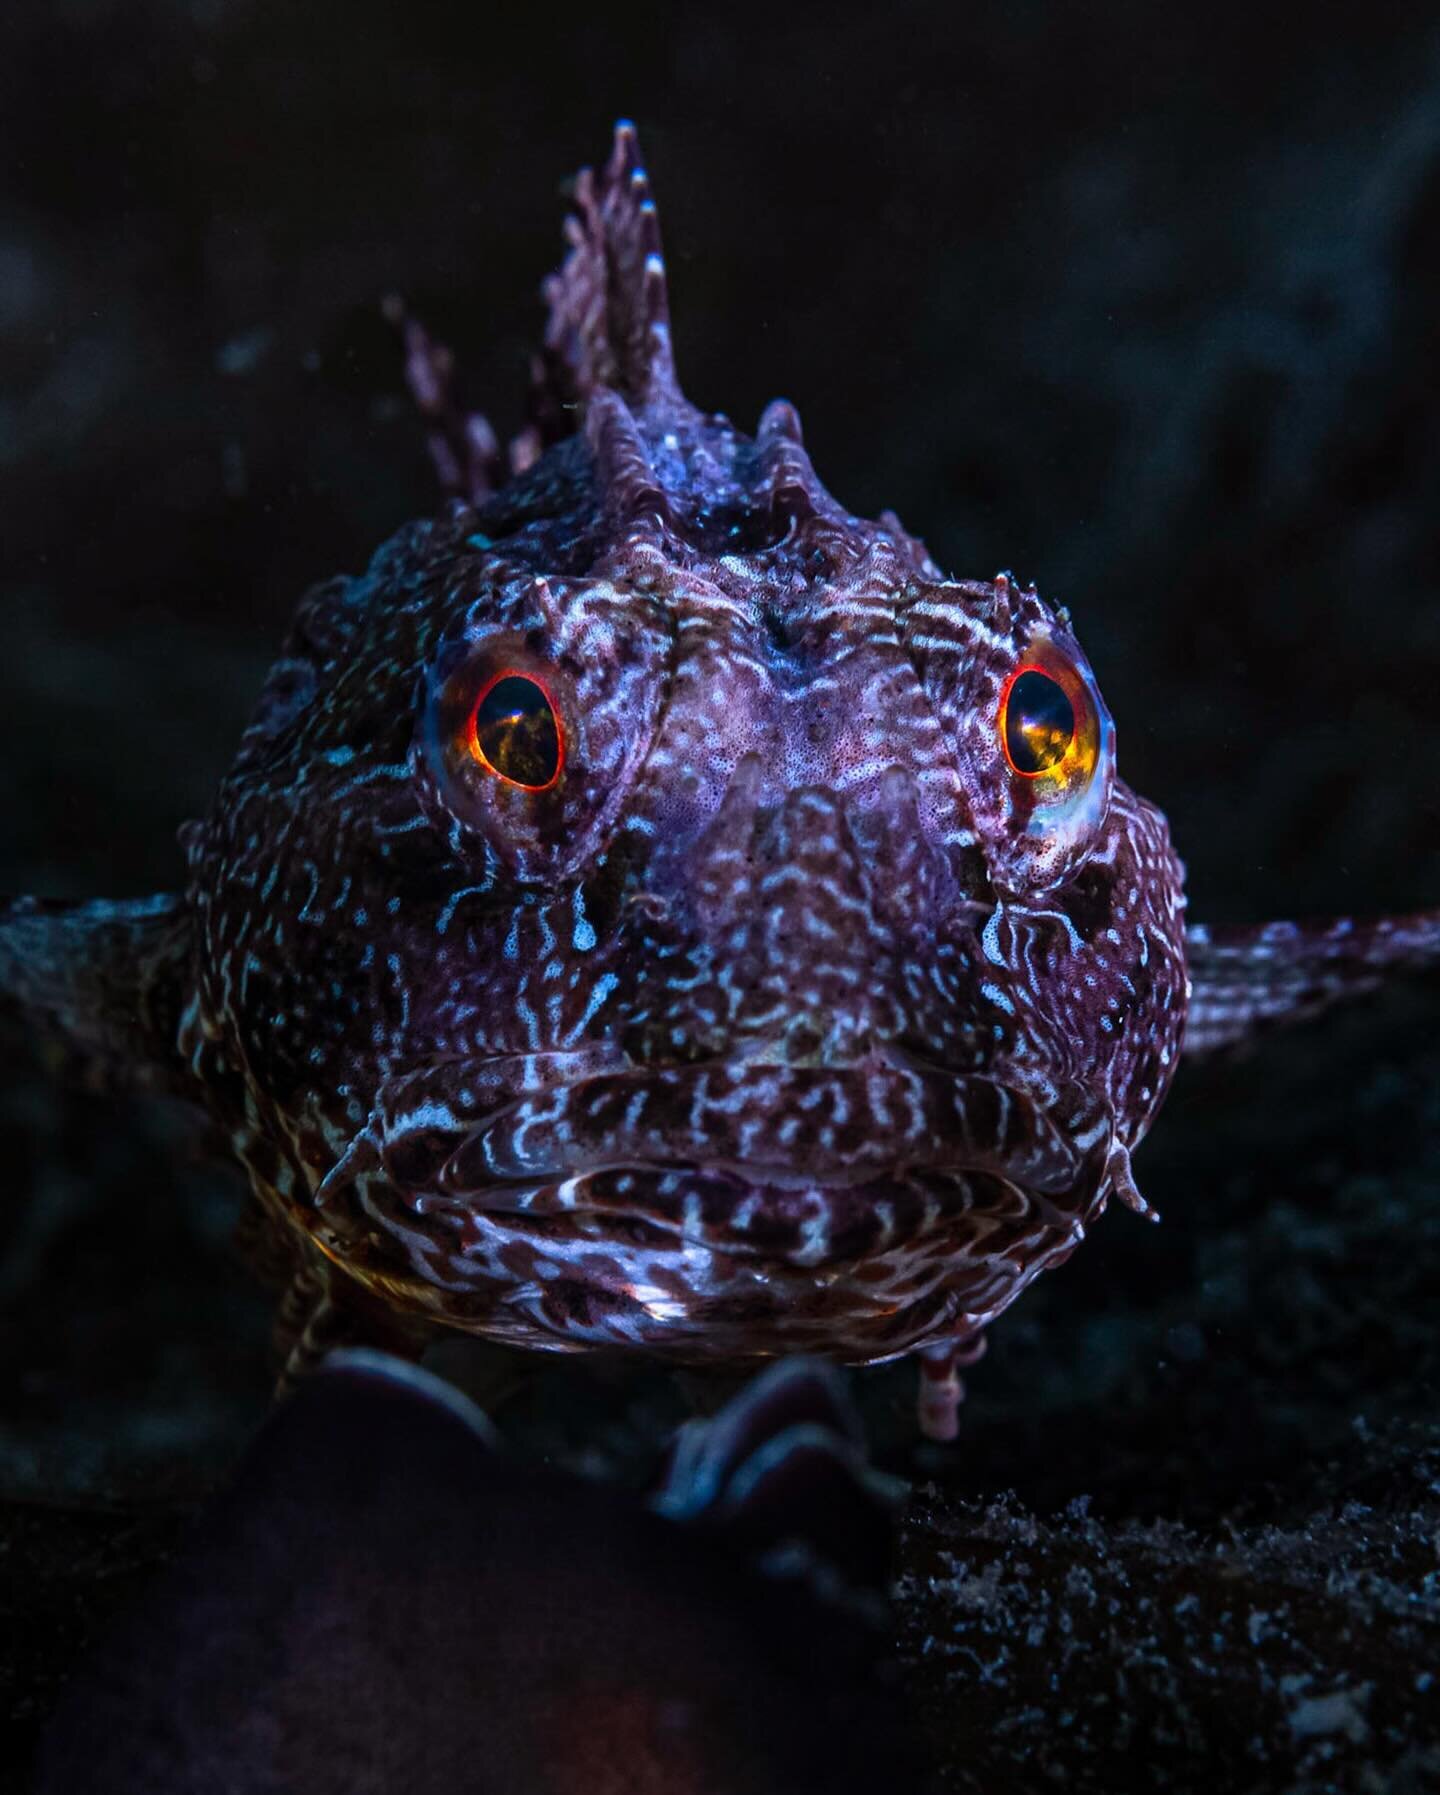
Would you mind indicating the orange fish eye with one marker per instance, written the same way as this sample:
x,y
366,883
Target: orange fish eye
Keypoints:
x,y
1050,727
514,732
1037,723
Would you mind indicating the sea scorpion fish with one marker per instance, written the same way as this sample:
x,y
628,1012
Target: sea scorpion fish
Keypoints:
x,y
655,910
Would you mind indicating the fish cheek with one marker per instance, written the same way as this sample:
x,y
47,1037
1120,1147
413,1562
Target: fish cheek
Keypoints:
x,y
1089,900
539,815
308,1019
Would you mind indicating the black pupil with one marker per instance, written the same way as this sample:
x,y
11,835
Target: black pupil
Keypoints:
x,y
1039,723
517,732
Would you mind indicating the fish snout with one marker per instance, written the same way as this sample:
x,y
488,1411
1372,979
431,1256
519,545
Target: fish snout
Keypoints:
x,y
816,930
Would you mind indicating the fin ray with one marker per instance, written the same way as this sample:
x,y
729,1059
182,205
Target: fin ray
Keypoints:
x,y
609,322
1248,980
106,980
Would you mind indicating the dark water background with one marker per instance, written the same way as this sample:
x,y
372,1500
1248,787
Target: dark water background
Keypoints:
x,y
1142,302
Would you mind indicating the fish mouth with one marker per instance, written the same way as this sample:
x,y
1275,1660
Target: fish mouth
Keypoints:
x,y
807,1162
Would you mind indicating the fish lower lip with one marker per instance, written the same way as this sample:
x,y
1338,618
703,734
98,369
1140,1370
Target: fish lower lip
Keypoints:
x,y
611,1184
803,1226
775,1126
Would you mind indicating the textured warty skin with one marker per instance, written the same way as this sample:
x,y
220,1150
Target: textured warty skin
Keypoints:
x,y
653,909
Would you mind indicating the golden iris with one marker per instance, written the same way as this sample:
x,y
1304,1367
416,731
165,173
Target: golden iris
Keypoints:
x,y
515,732
1039,723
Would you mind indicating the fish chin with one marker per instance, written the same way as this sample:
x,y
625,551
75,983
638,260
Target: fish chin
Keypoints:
x,y
832,1125
725,1211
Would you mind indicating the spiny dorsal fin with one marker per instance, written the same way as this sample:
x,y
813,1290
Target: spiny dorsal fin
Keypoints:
x,y
463,445
106,981
609,323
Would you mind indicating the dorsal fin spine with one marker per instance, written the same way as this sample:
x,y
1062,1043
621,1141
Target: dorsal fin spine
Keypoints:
x,y
630,488
609,323
787,479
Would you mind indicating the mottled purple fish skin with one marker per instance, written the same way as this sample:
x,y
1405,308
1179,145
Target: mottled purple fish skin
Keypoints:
x,y
788,1010
785,1020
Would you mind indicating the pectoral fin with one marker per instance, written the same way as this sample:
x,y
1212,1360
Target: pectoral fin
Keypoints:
x,y
106,982
1245,981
